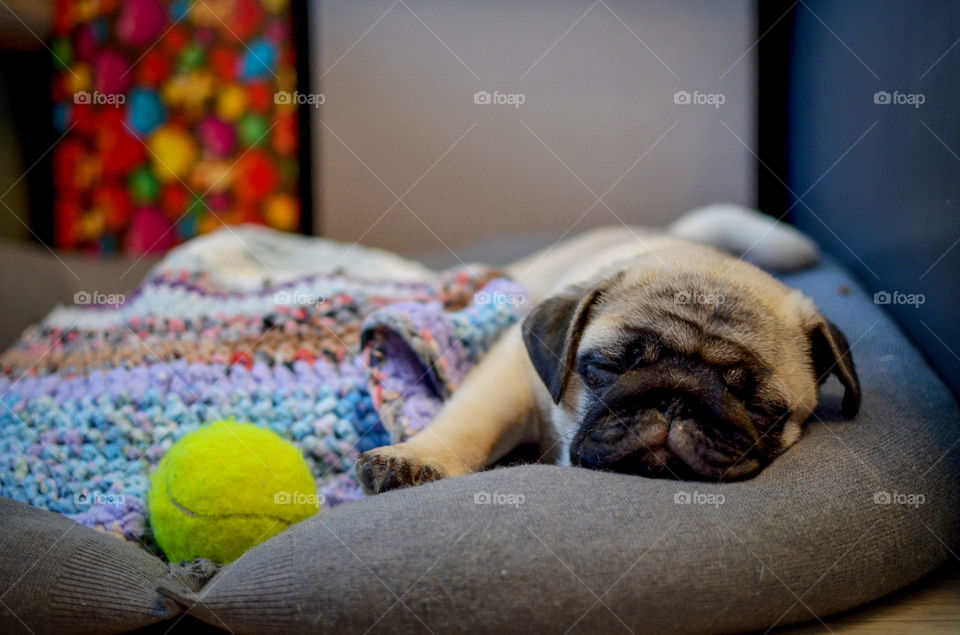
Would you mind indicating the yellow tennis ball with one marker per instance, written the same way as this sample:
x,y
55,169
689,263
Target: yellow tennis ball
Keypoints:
x,y
226,487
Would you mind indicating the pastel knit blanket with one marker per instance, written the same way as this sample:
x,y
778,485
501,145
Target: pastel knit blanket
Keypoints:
x,y
337,348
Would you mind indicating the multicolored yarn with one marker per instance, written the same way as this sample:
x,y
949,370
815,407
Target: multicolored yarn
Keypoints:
x,y
92,397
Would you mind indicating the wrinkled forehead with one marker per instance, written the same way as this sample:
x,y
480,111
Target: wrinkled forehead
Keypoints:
x,y
691,314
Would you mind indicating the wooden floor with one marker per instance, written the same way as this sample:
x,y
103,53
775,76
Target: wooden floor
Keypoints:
x,y
929,606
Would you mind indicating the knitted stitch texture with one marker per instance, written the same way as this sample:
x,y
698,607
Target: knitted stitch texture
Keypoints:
x,y
92,397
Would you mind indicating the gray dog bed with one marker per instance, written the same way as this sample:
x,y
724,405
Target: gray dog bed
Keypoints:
x,y
856,510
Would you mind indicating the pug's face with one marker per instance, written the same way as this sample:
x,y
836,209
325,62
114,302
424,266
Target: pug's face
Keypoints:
x,y
696,367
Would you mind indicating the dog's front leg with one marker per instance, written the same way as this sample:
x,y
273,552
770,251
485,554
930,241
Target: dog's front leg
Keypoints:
x,y
490,414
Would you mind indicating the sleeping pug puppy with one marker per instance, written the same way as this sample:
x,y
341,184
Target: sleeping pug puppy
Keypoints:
x,y
649,354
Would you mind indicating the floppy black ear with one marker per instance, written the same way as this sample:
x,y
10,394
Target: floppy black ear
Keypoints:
x,y
831,354
551,333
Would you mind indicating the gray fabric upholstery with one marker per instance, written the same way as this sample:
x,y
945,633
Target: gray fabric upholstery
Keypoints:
x,y
599,552
590,549
57,576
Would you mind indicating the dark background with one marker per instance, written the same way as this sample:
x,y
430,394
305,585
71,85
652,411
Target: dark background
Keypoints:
x,y
890,209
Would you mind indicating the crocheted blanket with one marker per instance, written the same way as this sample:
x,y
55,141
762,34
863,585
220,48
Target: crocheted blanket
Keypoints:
x,y
337,348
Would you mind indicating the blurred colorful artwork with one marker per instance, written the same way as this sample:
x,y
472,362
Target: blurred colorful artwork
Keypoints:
x,y
173,119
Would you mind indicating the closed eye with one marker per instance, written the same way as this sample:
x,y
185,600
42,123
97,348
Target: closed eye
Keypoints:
x,y
740,381
598,371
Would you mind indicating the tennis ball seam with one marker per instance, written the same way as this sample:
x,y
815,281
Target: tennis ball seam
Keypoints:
x,y
211,499
189,512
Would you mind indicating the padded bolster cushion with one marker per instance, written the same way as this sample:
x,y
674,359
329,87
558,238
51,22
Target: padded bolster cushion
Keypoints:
x,y
599,551
57,576
566,548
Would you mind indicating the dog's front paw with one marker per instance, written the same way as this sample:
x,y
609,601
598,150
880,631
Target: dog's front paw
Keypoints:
x,y
392,467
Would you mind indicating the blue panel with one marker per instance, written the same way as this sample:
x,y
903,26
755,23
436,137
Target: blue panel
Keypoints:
x,y
890,206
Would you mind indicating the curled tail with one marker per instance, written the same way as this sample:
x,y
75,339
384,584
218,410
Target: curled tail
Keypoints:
x,y
747,233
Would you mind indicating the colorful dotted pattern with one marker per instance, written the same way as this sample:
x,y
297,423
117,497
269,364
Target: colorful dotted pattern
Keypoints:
x,y
169,120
